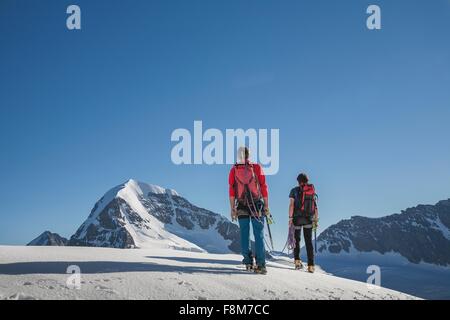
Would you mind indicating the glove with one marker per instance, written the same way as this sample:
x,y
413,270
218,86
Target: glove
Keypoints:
x,y
268,216
315,224
233,214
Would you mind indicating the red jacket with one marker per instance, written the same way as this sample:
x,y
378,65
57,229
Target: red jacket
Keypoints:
x,y
259,173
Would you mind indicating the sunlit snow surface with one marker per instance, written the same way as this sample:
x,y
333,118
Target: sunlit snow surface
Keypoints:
x,y
40,273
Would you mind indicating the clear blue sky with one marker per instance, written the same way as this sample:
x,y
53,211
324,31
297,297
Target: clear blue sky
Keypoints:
x,y
83,111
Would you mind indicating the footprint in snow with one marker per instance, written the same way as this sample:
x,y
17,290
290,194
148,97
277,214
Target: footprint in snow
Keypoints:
x,y
20,296
48,284
364,296
105,289
332,297
187,284
269,292
28,284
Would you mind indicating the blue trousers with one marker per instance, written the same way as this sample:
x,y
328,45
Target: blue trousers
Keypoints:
x,y
258,233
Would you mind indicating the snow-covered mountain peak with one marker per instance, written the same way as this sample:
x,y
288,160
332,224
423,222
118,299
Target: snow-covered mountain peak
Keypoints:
x,y
131,189
143,189
137,214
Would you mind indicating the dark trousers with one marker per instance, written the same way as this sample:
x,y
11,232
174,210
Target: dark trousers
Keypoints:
x,y
307,234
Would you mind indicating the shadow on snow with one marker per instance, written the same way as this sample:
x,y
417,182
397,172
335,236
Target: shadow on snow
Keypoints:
x,y
93,267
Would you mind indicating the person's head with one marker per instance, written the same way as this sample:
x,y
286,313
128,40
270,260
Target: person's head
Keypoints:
x,y
302,178
243,154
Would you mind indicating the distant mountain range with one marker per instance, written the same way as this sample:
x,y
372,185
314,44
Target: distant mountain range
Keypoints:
x,y
412,249
419,234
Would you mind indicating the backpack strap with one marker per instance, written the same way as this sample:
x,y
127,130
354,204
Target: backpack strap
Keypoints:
x,y
236,181
303,200
297,203
258,186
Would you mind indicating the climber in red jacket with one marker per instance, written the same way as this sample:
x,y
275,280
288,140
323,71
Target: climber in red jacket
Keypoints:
x,y
249,201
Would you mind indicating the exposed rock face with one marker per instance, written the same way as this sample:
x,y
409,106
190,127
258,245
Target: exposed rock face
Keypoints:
x,y
110,230
230,232
420,234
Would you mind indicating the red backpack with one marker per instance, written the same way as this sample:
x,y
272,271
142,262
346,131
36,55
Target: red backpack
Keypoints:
x,y
305,203
246,184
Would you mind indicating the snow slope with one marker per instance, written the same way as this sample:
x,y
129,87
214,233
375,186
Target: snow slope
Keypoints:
x,y
107,273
